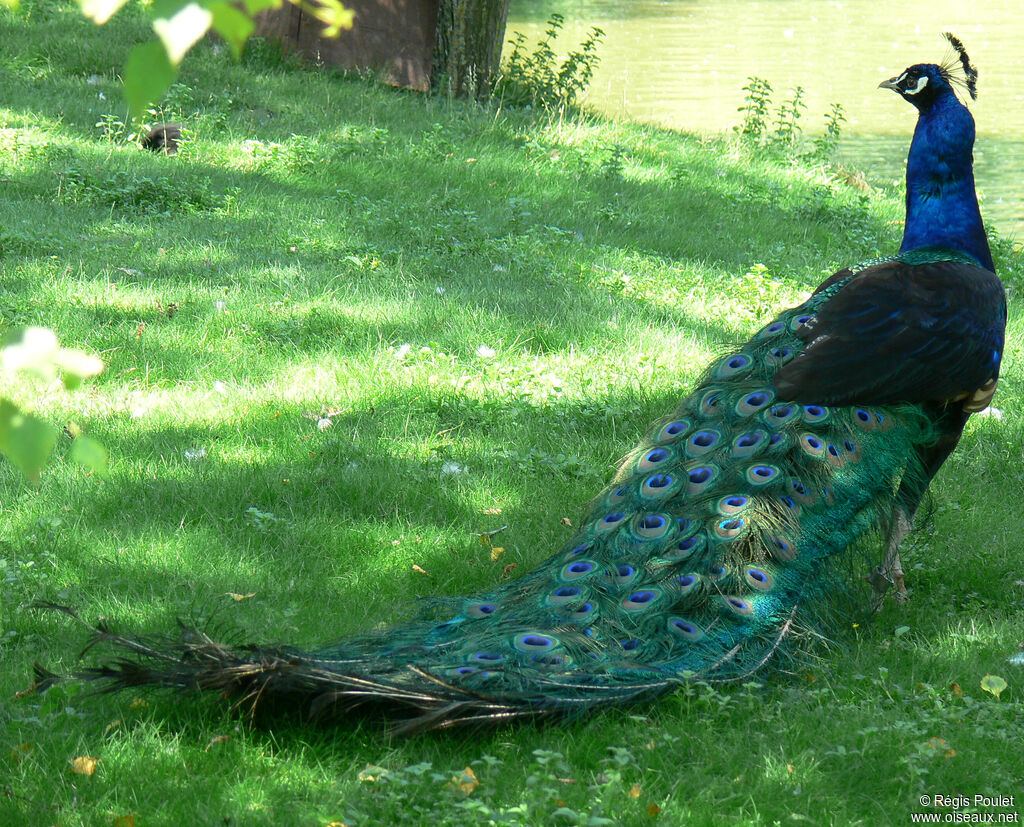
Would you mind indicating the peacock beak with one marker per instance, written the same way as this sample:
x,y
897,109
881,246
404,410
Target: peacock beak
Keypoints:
x,y
891,83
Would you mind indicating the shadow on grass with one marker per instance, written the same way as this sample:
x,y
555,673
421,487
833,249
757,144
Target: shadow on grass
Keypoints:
x,y
349,488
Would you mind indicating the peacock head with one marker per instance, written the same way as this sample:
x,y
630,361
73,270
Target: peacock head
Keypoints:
x,y
924,83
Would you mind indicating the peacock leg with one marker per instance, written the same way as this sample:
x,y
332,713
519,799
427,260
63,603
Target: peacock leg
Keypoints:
x,y
950,420
890,572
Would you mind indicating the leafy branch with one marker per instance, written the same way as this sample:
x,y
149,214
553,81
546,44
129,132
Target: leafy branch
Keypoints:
x,y
26,439
151,67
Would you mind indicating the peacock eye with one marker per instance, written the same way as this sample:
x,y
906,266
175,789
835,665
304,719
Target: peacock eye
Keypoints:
x,y
915,80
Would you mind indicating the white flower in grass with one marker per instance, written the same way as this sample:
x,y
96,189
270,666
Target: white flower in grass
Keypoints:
x,y
485,352
403,351
220,305
195,454
990,413
439,290
220,387
323,423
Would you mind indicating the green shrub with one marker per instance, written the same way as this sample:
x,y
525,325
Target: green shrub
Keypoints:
x,y
785,138
538,79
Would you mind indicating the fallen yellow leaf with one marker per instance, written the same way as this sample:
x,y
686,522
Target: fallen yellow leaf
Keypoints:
x,y
84,765
125,820
234,596
956,689
465,781
634,791
496,552
421,570
566,521
993,684
138,703
653,810
491,511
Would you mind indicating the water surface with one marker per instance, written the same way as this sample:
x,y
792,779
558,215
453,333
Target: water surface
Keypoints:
x,y
684,63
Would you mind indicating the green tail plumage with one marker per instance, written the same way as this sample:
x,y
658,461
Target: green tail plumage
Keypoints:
x,y
692,564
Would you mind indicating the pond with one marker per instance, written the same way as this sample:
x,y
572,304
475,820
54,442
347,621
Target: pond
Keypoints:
x,y
684,63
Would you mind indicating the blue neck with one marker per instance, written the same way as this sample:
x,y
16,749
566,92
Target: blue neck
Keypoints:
x,y
942,207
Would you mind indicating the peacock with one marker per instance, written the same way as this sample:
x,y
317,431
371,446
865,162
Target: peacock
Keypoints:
x,y
718,538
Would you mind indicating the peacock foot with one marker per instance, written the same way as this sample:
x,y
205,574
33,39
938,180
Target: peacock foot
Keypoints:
x,y
890,572
901,595
882,578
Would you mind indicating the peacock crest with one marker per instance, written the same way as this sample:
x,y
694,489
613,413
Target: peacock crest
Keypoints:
x,y
957,68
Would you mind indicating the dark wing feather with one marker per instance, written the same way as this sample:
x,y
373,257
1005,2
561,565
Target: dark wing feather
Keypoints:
x,y
899,332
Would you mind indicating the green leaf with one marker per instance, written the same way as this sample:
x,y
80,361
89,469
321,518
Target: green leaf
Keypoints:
x,y
88,453
993,684
77,366
147,75
254,7
332,13
31,349
182,31
100,11
234,26
26,440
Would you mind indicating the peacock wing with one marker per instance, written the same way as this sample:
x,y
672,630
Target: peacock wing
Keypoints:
x,y
899,331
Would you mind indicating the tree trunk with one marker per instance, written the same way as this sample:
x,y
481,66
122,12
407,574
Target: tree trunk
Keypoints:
x,y
467,50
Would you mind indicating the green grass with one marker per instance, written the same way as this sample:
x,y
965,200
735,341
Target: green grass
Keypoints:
x,y
326,246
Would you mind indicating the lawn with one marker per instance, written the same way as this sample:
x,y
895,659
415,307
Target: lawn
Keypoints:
x,y
347,330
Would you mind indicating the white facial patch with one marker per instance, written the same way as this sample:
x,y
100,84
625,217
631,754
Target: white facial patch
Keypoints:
x,y
921,83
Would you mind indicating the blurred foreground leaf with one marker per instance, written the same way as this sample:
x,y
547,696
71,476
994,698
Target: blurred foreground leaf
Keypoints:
x,y
26,440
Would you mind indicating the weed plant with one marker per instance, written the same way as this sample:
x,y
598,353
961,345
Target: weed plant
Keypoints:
x,y
538,79
349,330
785,140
